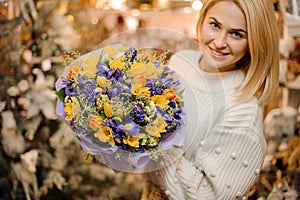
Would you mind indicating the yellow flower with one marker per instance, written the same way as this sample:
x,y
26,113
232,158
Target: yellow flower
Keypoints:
x,y
89,65
148,70
108,111
160,100
104,134
136,64
98,89
69,110
149,55
140,91
89,158
157,127
117,140
103,82
117,64
110,51
138,84
100,100
72,108
72,72
132,141
139,80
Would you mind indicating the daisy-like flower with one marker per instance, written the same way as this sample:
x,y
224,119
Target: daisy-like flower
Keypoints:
x,y
117,64
89,68
72,108
132,141
104,134
157,127
68,110
160,100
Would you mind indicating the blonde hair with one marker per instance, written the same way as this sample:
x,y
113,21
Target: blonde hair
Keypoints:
x,y
261,62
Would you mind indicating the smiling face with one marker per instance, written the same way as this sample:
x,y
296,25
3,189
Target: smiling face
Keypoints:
x,y
223,36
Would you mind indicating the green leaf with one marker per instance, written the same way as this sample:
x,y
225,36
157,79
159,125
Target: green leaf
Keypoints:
x,y
61,94
107,63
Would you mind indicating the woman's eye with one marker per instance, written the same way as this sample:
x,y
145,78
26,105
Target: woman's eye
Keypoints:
x,y
237,35
214,25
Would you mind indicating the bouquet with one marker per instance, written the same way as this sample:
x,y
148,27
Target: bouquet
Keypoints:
x,y
124,105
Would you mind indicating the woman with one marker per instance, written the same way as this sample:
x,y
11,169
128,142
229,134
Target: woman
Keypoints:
x,y
233,75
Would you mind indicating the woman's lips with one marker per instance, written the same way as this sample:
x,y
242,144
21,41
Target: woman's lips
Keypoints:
x,y
217,54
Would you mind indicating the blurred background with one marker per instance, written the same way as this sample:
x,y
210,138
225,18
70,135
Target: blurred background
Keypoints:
x,y
39,154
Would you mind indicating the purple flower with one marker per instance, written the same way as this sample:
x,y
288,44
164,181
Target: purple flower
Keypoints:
x,y
115,91
168,119
112,93
118,75
126,90
155,87
112,74
127,51
173,124
167,71
117,133
96,93
178,113
167,82
131,128
101,67
172,104
113,125
146,59
137,114
87,89
131,53
69,90
156,63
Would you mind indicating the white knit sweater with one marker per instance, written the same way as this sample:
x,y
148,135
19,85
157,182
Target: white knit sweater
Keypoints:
x,y
224,153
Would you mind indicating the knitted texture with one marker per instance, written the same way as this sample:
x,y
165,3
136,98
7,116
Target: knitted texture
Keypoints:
x,y
224,154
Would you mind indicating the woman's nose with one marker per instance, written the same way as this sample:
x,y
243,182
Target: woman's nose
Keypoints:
x,y
220,40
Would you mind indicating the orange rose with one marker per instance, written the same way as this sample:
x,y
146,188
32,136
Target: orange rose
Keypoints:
x,y
94,122
170,93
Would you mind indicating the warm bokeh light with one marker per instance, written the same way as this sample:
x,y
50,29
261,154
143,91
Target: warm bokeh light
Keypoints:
x,y
197,5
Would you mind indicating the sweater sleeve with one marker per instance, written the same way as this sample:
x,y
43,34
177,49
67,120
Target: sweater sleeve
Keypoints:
x,y
226,162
